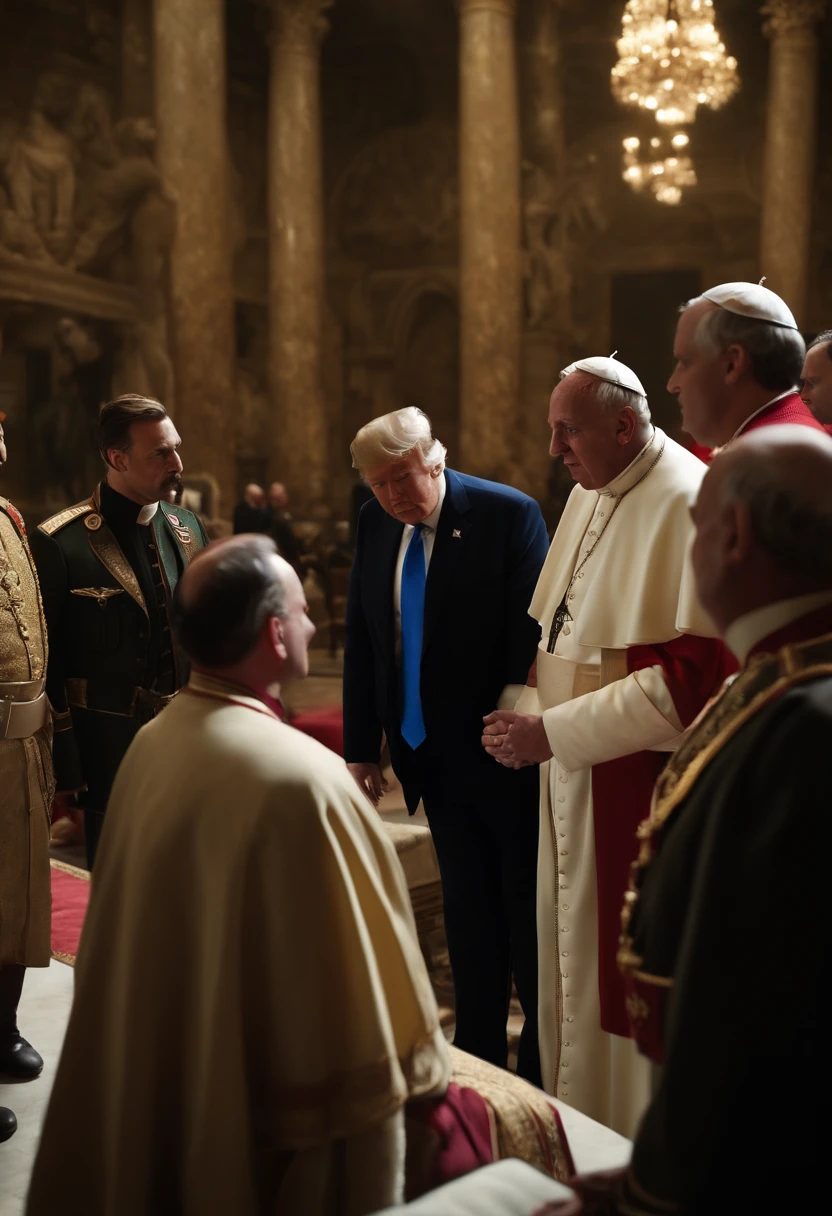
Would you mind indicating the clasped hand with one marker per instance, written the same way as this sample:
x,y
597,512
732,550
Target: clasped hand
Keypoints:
x,y
515,740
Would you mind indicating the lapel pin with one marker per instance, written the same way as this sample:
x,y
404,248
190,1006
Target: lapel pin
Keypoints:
x,y
457,534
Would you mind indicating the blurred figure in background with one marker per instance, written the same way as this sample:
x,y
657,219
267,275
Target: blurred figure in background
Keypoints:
x,y
816,378
280,527
251,515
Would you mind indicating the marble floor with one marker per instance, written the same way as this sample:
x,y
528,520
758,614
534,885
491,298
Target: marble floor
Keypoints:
x,y
43,1014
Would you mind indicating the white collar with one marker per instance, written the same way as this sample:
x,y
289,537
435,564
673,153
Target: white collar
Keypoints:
x,y
751,418
147,513
743,634
629,477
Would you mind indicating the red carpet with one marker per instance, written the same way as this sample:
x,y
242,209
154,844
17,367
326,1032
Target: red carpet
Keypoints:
x,y
326,725
70,896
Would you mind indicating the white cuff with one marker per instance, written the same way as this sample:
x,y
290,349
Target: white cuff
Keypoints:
x,y
528,702
615,721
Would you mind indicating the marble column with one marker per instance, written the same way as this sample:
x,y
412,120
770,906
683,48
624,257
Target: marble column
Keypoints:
x,y
296,251
192,154
791,134
490,259
548,313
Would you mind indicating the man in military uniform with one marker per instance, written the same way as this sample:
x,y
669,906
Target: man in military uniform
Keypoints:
x,y
727,941
107,569
26,790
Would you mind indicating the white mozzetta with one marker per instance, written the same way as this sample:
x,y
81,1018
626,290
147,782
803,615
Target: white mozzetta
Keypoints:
x,y
638,585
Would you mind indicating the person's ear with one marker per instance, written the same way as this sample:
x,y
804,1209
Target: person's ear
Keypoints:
x,y
625,425
739,533
735,363
277,641
117,458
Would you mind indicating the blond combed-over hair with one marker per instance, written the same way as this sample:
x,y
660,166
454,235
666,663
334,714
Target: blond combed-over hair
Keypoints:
x,y
394,436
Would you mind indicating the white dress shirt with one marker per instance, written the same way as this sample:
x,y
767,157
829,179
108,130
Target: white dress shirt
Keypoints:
x,y
743,634
428,526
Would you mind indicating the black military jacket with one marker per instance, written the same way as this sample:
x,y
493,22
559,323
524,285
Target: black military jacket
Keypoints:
x,y
112,659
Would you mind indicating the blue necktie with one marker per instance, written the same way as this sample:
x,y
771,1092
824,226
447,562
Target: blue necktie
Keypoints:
x,y
414,577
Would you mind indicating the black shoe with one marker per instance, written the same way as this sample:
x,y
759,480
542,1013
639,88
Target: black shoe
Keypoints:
x,y
8,1123
18,1059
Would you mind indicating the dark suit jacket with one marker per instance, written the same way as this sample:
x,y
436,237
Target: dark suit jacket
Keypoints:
x,y
251,519
490,545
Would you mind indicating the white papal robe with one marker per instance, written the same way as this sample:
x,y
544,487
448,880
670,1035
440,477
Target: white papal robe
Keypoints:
x,y
252,1009
636,589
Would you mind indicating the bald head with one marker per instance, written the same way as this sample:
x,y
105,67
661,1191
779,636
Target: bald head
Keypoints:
x,y
764,521
226,596
254,495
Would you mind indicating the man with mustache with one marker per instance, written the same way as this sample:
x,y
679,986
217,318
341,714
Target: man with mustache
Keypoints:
x,y
107,568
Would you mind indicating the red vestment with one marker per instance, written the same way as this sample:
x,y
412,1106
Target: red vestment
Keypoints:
x,y
694,669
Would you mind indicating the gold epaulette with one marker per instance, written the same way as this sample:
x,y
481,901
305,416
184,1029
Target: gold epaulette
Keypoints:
x,y
54,524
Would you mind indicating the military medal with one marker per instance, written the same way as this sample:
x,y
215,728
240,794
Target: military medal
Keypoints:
x,y
99,594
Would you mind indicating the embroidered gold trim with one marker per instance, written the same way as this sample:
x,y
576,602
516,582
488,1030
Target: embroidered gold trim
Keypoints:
x,y
108,551
55,522
66,868
656,981
686,780
765,678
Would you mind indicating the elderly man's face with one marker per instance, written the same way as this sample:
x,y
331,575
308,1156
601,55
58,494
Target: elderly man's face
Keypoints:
x,y
698,380
406,488
817,381
714,542
587,434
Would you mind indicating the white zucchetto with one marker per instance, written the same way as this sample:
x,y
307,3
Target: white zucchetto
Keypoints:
x,y
609,369
752,300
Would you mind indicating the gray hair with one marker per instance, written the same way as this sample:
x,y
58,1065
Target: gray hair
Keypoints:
x,y
792,529
775,352
822,338
614,396
394,436
220,624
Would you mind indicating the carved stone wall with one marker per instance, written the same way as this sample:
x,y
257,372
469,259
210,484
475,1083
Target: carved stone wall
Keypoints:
x,y
86,220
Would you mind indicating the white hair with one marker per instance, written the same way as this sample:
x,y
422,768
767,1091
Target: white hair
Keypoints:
x,y
775,352
394,436
615,396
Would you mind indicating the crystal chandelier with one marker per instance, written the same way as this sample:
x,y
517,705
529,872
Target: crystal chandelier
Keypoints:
x,y
661,166
672,60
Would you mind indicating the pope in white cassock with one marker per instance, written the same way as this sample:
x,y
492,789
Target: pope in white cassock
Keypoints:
x,y
626,661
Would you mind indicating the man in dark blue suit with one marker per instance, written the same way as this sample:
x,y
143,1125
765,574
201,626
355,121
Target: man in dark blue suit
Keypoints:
x,y
438,631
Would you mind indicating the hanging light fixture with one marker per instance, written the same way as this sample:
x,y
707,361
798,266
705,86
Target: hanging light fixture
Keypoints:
x,y
671,61
659,165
